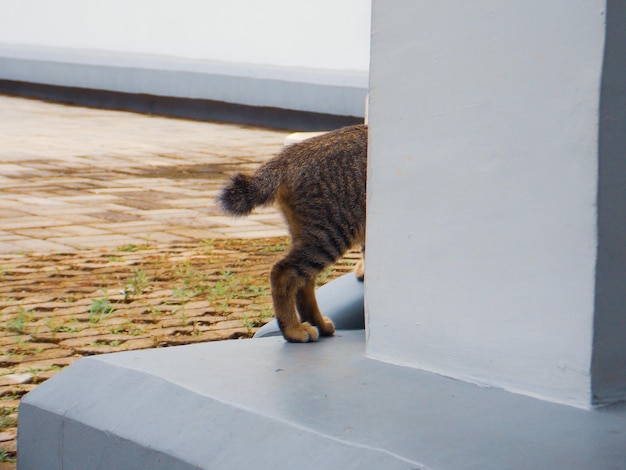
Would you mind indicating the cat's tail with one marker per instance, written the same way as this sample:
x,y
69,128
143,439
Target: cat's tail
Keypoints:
x,y
245,192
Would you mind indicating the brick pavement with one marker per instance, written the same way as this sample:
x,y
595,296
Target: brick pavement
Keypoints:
x,y
74,178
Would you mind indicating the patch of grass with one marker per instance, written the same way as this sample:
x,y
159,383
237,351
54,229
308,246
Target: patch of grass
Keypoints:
x,y
248,324
136,285
15,352
7,421
106,343
183,294
115,259
127,328
257,321
278,248
19,323
193,279
155,313
62,327
266,312
9,396
51,324
6,457
228,287
35,371
251,323
223,289
131,247
208,244
255,290
99,309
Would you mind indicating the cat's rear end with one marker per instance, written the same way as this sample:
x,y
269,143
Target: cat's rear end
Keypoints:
x,y
319,185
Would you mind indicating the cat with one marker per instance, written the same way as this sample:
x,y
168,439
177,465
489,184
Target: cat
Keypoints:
x,y
319,185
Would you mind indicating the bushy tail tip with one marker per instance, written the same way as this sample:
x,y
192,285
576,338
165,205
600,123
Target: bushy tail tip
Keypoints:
x,y
239,196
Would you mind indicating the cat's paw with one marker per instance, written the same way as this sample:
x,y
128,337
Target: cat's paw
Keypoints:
x,y
327,328
302,333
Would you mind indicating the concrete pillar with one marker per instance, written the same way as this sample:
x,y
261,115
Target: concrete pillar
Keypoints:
x,y
497,194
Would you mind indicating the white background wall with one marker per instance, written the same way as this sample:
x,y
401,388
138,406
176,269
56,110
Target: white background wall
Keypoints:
x,y
321,34
294,55
482,190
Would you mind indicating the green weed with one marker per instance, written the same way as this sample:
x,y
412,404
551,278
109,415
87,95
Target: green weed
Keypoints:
x,y
136,285
106,343
266,312
192,279
131,247
155,313
52,325
208,244
278,248
18,324
8,410
251,323
5,457
7,421
99,309
127,328
9,397
183,294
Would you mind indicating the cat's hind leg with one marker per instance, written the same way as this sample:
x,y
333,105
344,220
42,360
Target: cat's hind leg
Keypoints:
x,y
309,310
286,281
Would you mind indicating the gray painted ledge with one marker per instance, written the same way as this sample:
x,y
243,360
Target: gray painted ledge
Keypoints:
x,y
332,92
265,403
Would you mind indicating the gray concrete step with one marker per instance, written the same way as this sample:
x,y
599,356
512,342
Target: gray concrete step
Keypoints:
x,y
265,403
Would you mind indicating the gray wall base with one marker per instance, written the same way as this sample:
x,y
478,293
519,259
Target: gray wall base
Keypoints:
x,y
286,97
270,404
186,108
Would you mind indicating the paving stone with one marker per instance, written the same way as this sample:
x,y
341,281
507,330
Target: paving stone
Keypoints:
x,y
141,168
40,246
8,361
14,379
9,247
266,233
81,230
39,233
94,241
57,362
30,221
16,390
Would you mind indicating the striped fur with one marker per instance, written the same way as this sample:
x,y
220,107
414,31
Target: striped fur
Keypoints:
x,y
319,185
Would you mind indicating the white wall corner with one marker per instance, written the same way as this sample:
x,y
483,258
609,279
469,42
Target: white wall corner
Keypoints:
x,y
482,191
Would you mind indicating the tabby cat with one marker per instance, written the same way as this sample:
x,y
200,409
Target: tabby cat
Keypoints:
x,y
319,185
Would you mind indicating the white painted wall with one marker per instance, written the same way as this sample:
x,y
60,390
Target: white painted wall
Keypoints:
x,y
482,190
324,34
299,55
